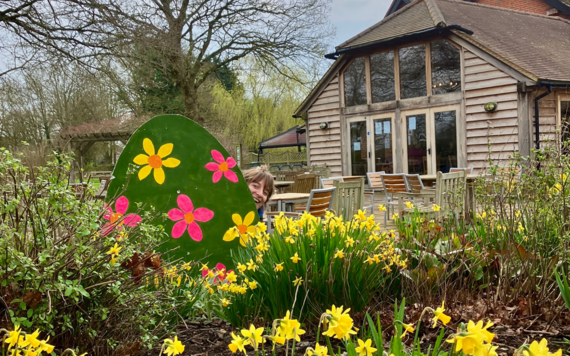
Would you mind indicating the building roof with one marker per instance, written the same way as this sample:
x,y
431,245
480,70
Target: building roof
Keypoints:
x,y
295,136
536,45
118,128
563,6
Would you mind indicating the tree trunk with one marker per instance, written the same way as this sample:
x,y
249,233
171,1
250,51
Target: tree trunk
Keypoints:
x,y
191,109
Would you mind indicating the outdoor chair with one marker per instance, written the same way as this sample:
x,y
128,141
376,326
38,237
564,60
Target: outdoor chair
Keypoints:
x,y
414,184
349,198
392,183
468,170
374,185
103,186
320,201
284,168
449,194
328,182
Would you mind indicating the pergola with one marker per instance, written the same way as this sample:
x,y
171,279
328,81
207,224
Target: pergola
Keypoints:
x,y
294,137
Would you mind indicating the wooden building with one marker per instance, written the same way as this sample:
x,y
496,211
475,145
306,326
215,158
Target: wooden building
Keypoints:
x,y
440,84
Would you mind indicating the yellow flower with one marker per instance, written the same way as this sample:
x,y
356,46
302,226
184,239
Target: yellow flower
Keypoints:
x,y
44,346
365,348
173,347
540,349
340,323
288,329
382,207
339,254
231,277
243,228
318,351
253,335
440,316
349,242
409,205
295,258
481,332
408,328
14,337
395,216
490,350
114,250
238,344
252,285
518,213
297,281
261,227
225,302
278,267
290,240
155,161
436,207
361,215
241,267
251,265
521,227
466,342
32,340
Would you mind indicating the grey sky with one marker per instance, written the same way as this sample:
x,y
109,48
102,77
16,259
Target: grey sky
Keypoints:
x,y
350,17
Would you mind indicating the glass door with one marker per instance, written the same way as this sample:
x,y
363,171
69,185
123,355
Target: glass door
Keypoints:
x,y
358,147
383,146
416,143
445,140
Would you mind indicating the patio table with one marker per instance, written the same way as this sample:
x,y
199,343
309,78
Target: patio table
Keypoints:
x,y
285,198
282,184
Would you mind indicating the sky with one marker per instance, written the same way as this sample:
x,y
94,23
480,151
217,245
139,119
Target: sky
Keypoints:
x,y
350,17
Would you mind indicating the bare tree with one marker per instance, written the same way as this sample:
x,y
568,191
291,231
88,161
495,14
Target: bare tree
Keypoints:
x,y
191,39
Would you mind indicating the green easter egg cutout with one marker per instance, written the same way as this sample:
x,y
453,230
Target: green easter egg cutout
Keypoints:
x,y
187,176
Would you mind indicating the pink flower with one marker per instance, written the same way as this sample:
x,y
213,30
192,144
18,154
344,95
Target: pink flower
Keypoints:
x,y
121,206
187,218
220,270
222,167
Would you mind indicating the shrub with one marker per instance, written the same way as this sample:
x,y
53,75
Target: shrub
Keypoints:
x,y
89,287
304,264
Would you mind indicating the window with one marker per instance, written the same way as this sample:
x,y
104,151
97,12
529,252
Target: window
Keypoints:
x,y
382,77
413,72
565,125
383,146
355,83
445,68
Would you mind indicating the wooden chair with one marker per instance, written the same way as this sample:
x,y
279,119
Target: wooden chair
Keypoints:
x,y
393,183
469,170
319,202
104,185
328,182
349,198
304,183
414,184
449,195
374,186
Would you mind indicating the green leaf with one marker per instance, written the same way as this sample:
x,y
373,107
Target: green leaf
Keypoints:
x,y
30,313
68,291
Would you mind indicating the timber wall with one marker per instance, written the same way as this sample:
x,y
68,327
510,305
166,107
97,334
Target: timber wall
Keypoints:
x,y
485,83
325,145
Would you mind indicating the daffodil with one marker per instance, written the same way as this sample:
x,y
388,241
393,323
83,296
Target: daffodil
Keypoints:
x,y
242,228
173,347
252,285
339,254
318,350
14,337
409,205
156,161
231,277
251,265
44,346
241,267
435,207
361,215
238,344
298,281
349,242
290,240
382,208
339,323
365,348
408,328
440,316
278,267
540,349
466,342
32,340
481,332
295,258
114,250
253,335
288,329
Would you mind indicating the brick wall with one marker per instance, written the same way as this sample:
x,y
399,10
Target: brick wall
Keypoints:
x,y
534,6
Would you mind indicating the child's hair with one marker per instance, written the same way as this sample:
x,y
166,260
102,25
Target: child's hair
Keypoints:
x,y
259,174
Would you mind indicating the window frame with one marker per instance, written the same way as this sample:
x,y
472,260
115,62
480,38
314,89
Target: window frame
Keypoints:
x,y
559,100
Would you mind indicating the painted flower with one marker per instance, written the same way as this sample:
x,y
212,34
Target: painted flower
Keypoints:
x,y
222,167
187,218
155,161
242,228
121,206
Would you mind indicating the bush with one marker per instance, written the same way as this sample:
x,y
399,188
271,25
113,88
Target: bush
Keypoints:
x,y
307,263
89,287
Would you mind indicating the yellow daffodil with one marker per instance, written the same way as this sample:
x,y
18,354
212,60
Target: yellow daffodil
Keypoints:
x,y
231,277
382,208
435,207
518,213
440,316
349,242
238,344
290,240
241,267
408,328
318,350
540,349
298,281
32,340
251,265
481,332
409,205
253,335
252,285
278,267
361,215
114,250
365,348
339,323
44,346
490,350
242,228
466,342
225,302
261,227
156,161
395,216
173,347
339,254
14,337
520,228
295,258
288,329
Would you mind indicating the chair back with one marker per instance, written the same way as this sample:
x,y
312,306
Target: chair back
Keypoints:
x,y
320,201
285,168
450,191
468,170
375,180
304,183
394,183
349,198
414,183
328,182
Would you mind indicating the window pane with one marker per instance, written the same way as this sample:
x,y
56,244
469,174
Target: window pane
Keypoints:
x,y
355,83
382,77
417,148
445,68
358,151
445,141
413,71
565,129
383,146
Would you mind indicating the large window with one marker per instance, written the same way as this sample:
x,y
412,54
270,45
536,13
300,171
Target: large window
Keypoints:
x,y
445,68
412,71
382,77
565,125
355,83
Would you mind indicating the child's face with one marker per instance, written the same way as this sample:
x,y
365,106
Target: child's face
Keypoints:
x,y
258,192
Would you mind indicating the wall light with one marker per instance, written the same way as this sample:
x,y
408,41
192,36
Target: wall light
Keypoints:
x,y
490,107
324,125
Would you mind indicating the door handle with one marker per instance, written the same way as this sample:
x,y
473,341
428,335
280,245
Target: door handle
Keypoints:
x,y
429,151
369,155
